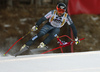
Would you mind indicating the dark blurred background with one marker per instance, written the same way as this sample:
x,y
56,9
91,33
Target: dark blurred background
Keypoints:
x,y
18,16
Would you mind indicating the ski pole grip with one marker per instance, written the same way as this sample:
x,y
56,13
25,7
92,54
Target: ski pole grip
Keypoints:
x,y
56,36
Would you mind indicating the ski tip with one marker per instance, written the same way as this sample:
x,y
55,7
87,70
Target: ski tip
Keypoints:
x,y
4,54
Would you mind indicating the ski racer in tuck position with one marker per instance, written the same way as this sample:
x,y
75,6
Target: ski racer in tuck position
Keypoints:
x,y
57,19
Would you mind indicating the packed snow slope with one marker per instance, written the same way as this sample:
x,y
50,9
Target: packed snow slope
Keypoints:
x,y
62,62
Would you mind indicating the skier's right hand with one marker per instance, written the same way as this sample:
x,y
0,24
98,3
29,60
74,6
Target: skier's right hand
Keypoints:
x,y
77,41
34,28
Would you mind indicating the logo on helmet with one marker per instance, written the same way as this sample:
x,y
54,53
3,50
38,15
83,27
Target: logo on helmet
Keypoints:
x,y
62,7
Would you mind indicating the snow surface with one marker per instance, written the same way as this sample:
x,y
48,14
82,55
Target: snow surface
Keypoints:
x,y
62,62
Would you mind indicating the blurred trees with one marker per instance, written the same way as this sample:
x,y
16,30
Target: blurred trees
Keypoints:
x,y
11,3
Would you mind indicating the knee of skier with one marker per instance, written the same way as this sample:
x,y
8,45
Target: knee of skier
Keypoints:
x,y
35,37
55,34
41,33
52,35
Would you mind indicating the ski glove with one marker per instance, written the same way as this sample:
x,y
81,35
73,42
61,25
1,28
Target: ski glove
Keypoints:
x,y
77,41
34,28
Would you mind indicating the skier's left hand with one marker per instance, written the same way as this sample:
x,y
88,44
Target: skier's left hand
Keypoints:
x,y
34,28
77,41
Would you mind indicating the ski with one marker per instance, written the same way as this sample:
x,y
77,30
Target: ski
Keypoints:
x,y
38,49
20,52
61,44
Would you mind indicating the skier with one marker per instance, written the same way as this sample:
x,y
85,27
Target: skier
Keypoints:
x,y
57,19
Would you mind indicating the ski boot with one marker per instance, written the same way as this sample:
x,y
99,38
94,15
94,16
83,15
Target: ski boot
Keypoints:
x,y
42,45
23,49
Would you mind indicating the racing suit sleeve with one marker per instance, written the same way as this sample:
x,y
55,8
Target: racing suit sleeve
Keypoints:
x,y
47,16
40,21
70,22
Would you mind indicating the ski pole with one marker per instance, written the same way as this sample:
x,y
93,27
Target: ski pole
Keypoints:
x,y
17,41
69,43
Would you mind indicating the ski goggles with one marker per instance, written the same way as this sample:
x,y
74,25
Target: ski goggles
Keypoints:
x,y
60,10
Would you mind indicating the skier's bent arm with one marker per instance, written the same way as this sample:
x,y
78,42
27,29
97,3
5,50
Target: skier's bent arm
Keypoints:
x,y
47,16
74,30
35,27
70,22
40,21
75,34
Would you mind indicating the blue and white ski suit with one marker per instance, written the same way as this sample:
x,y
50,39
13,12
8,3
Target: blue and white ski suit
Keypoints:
x,y
53,26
